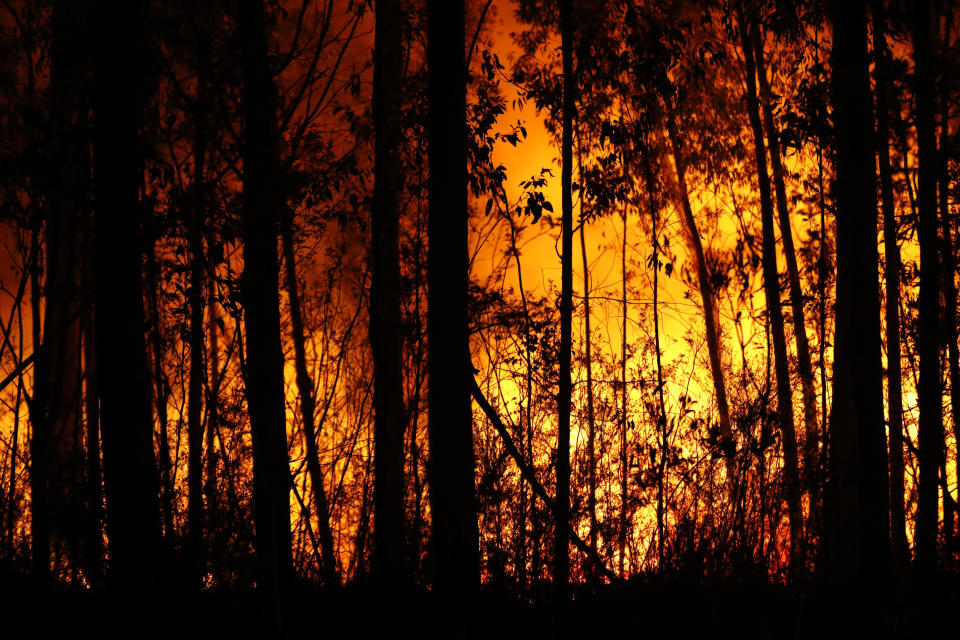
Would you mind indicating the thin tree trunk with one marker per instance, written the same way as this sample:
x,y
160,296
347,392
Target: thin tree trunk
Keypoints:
x,y
771,286
195,389
161,387
624,456
213,403
929,392
385,323
654,208
591,421
891,251
308,404
262,202
950,298
710,315
811,448
561,552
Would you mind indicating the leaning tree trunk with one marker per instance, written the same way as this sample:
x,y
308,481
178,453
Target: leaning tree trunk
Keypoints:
x,y
710,315
262,202
891,253
385,318
811,448
308,404
455,537
771,286
126,417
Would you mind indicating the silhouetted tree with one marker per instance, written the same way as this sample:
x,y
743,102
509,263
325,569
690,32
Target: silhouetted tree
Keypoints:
x,y
263,200
385,295
126,421
856,515
454,533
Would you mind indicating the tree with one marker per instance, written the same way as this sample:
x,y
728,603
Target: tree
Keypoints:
x,y
454,535
771,286
263,199
56,470
805,369
385,327
892,265
126,421
929,391
856,508
561,552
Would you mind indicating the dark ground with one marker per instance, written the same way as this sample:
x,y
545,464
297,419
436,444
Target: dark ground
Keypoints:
x,y
637,609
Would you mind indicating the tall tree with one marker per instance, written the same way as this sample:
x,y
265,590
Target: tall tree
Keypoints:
x,y
561,552
929,392
771,286
195,304
857,525
455,537
711,318
263,199
385,329
56,447
804,365
891,255
126,420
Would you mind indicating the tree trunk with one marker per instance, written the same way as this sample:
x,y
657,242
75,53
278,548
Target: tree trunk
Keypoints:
x,y
561,552
811,448
891,252
654,207
56,469
213,403
771,286
385,323
455,537
929,392
126,417
856,518
197,373
308,405
591,421
710,315
950,306
262,202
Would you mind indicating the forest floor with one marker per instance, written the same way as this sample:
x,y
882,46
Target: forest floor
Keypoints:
x,y
638,609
